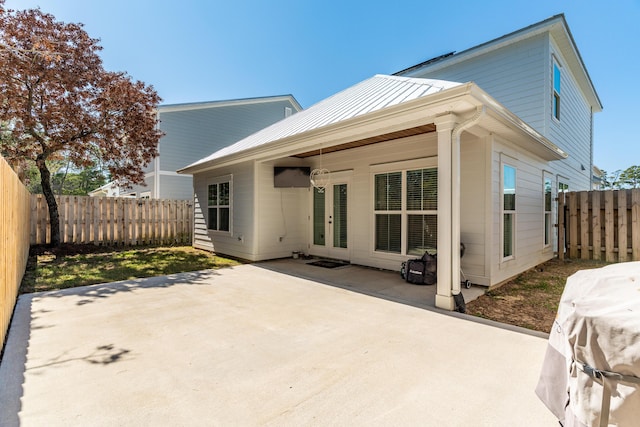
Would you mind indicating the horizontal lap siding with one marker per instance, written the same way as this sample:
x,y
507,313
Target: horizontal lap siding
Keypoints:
x,y
282,213
193,134
513,75
529,250
474,157
239,243
572,133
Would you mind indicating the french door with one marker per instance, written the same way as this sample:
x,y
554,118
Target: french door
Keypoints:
x,y
330,221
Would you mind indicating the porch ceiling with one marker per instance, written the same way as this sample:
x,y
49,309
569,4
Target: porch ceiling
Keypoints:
x,y
428,128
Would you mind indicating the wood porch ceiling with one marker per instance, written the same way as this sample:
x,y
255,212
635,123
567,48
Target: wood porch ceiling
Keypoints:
x,y
372,140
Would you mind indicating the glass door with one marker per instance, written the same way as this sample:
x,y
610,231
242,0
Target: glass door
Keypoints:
x,y
330,221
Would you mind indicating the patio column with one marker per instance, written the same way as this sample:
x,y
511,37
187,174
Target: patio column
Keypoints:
x,y
448,211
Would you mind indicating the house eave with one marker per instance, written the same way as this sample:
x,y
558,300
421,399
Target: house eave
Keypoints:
x,y
460,100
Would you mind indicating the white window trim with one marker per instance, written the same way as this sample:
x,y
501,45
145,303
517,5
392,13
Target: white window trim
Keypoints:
x,y
220,180
555,63
402,167
514,239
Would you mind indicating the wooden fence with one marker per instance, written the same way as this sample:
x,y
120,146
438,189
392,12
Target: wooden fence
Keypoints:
x,y
14,242
114,221
599,225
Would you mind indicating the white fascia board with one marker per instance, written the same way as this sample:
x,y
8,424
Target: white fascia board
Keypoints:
x,y
398,117
542,146
169,108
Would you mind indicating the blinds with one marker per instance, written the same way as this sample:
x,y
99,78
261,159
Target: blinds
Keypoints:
x,y
388,191
340,216
422,233
422,190
318,217
388,232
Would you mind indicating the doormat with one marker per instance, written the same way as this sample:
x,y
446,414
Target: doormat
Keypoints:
x,y
328,263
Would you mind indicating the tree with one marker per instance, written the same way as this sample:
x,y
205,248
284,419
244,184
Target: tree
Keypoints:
x,y
57,100
610,180
630,177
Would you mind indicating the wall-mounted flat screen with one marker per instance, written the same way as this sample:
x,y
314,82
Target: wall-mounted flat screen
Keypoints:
x,y
291,176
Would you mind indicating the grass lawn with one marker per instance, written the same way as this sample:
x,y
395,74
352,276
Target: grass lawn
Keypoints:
x,y
80,265
531,299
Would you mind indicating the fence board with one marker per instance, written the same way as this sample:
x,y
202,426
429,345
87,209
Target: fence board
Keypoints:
x,y
596,225
635,225
584,224
15,211
622,226
114,221
608,227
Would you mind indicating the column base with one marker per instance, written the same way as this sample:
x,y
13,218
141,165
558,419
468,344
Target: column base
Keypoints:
x,y
445,302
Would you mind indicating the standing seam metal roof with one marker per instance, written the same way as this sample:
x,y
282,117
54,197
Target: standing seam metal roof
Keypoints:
x,y
376,93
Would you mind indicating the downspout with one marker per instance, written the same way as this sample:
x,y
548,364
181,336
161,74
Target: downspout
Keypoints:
x,y
455,196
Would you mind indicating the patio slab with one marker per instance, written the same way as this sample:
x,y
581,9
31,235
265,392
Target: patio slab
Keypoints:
x,y
252,346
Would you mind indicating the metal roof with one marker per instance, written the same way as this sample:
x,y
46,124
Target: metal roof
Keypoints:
x,y
373,94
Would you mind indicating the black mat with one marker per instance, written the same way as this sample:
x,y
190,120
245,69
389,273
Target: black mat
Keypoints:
x,y
326,263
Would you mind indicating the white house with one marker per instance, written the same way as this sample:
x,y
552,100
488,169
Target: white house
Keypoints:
x,y
412,163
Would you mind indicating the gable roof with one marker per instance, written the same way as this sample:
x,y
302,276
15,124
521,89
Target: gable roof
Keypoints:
x,y
166,108
556,25
376,93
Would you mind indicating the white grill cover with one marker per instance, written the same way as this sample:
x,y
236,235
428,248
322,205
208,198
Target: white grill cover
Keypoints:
x,y
598,324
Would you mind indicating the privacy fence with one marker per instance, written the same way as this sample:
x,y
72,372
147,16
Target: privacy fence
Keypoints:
x,y
599,225
14,241
114,221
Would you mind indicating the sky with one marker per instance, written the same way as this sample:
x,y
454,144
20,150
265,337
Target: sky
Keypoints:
x,y
207,50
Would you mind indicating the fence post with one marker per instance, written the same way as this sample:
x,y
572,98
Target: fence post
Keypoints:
x,y
622,225
561,226
584,225
635,224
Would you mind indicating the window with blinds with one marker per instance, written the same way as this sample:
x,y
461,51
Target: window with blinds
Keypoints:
x,y
406,211
388,211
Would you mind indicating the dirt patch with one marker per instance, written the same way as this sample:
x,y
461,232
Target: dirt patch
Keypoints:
x,y
531,299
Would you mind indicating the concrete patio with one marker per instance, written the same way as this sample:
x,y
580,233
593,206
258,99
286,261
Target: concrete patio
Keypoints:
x,y
252,345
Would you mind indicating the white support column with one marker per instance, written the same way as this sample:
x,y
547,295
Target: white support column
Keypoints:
x,y
446,214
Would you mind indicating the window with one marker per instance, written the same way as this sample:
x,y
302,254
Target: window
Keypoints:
x,y
406,211
388,208
547,211
562,187
556,91
219,206
508,210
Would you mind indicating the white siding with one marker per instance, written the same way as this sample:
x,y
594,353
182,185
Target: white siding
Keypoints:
x,y
529,250
520,77
514,75
281,214
572,133
239,243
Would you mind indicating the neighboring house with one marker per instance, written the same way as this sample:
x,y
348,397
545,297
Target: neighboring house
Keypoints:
x,y
110,189
195,130
597,179
416,163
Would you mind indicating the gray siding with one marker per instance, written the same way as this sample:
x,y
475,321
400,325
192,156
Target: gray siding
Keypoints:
x,y
195,133
519,76
240,242
514,75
